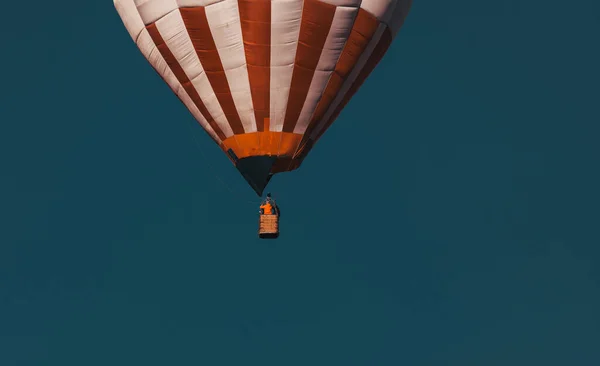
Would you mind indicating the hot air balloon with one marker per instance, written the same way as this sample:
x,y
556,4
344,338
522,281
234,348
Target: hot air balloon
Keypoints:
x,y
264,78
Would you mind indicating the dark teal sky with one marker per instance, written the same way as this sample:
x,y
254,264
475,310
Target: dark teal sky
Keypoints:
x,y
462,230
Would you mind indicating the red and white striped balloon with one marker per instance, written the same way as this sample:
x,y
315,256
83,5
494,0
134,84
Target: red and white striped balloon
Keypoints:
x,y
264,77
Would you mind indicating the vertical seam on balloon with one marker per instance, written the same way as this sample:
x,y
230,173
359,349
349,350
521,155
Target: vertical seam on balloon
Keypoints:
x,y
156,36
336,63
323,106
300,143
178,90
196,77
347,84
242,96
199,81
274,125
317,25
376,57
290,88
309,117
336,103
225,99
249,42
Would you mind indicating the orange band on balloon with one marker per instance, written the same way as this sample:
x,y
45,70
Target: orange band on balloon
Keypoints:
x,y
270,143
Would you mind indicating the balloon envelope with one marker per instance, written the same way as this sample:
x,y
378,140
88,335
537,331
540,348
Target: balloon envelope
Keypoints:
x,y
264,78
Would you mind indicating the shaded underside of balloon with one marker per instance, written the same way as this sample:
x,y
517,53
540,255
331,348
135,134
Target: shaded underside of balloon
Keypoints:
x,y
264,78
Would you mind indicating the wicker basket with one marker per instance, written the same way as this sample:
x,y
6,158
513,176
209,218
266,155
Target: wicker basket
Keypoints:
x,y
268,227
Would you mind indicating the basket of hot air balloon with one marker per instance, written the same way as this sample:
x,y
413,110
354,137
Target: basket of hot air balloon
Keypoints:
x,y
264,79
268,227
